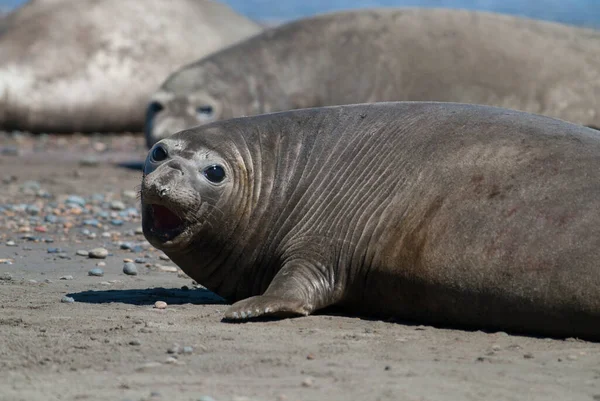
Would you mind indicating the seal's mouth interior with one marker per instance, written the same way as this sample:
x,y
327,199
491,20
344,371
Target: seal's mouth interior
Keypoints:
x,y
165,223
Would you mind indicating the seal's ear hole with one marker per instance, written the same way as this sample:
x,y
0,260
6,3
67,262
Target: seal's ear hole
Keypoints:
x,y
205,112
159,153
214,173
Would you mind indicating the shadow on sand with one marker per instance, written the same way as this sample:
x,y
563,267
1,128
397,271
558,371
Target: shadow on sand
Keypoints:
x,y
148,296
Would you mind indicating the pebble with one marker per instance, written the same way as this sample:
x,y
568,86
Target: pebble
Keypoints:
x,y
106,283
127,260
139,230
81,252
88,162
92,222
96,272
135,342
101,264
69,277
117,222
130,269
308,382
32,281
206,398
117,205
572,357
160,305
129,194
67,300
126,245
11,243
140,260
168,269
147,366
162,256
75,200
55,250
175,349
496,347
6,261
172,361
98,253
6,277
187,350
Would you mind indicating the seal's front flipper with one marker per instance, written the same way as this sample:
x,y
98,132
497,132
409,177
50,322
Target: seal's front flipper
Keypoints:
x,y
265,305
297,290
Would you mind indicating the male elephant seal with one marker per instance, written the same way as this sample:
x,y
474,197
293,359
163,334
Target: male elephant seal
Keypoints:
x,y
439,212
68,65
390,54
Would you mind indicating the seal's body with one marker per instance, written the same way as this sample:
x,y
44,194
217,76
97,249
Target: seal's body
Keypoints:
x,y
68,66
365,56
439,212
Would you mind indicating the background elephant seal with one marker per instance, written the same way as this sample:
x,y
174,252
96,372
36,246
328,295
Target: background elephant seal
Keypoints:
x,y
70,65
444,213
390,54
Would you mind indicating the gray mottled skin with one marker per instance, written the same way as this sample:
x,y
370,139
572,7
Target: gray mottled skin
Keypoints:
x,y
391,54
68,66
444,213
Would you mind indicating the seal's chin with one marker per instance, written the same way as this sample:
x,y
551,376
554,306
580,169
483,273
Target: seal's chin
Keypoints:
x,y
164,225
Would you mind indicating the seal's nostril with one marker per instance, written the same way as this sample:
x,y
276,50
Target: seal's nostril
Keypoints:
x,y
163,192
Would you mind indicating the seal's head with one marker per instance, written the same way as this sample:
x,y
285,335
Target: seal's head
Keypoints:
x,y
184,192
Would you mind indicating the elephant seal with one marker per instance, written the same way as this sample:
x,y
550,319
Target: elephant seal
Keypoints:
x,y
444,213
91,66
366,56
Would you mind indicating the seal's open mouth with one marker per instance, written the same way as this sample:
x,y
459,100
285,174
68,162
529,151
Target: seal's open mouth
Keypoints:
x,y
166,225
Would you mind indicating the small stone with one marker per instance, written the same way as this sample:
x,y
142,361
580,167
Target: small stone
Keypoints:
x,y
96,272
160,305
129,194
187,350
54,250
67,300
127,260
117,222
130,269
140,260
148,366
69,277
105,235
308,382
81,252
175,349
6,261
167,269
88,162
528,356
139,230
75,200
496,347
572,357
172,361
6,277
135,342
98,253
206,398
310,357
32,281
11,243
126,246
92,222
106,283
117,205
162,256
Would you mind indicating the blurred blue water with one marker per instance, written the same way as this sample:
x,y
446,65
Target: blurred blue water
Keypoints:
x,y
579,12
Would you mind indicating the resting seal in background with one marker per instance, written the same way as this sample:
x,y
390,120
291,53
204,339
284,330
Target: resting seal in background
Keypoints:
x,y
91,66
390,54
438,212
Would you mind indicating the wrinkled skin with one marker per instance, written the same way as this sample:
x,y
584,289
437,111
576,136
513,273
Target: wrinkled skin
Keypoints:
x,y
368,56
442,213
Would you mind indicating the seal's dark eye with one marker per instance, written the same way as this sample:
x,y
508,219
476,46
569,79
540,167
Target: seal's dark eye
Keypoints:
x,y
215,173
159,154
205,112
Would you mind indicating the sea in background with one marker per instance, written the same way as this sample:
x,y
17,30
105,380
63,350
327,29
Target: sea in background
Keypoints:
x,y
577,12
